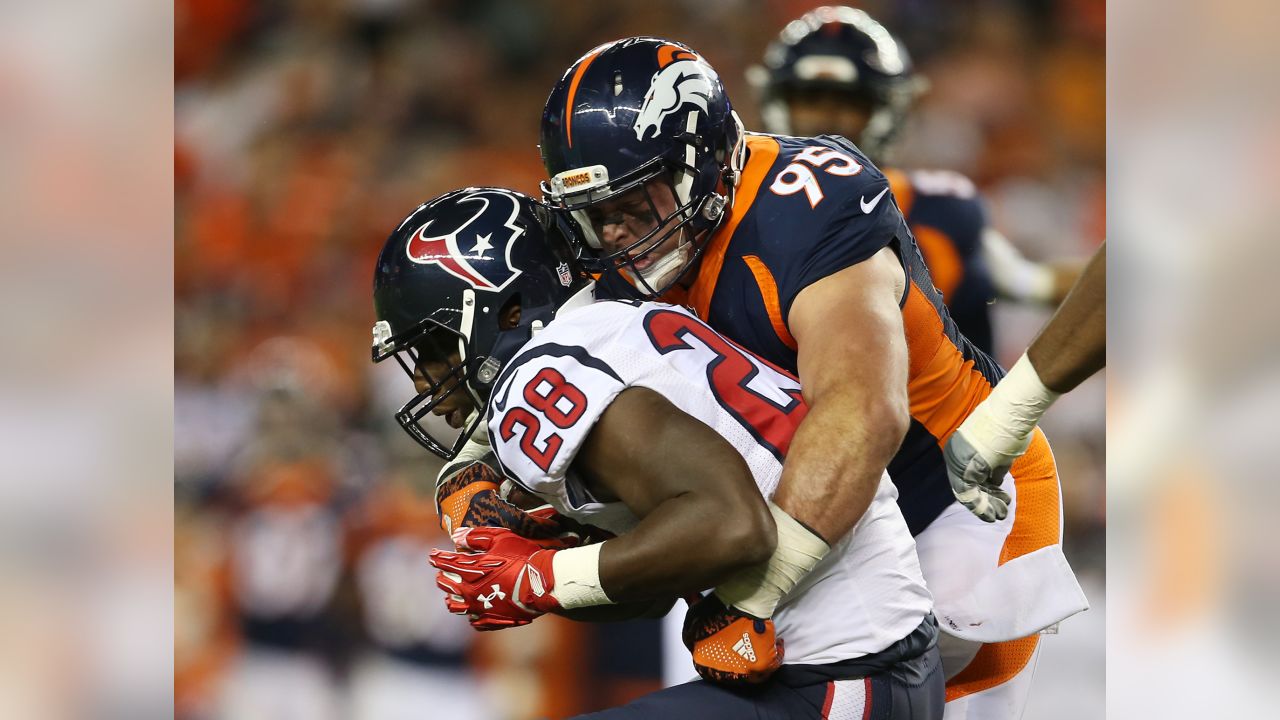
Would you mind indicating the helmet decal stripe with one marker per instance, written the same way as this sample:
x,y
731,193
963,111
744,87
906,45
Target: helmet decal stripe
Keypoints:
x,y
445,251
668,54
573,90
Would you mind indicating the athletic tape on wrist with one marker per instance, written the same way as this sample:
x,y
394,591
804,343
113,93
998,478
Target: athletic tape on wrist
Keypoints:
x,y
1003,423
576,576
758,590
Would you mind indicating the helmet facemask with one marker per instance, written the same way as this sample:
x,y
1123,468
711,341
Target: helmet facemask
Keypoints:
x,y
455,304
664,207
435,353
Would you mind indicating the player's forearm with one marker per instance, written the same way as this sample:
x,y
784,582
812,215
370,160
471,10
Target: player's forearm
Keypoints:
x,y
835,462
702,516
1073,345
688,543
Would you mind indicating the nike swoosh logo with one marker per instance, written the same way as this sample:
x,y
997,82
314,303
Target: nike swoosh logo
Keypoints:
x,y
867,207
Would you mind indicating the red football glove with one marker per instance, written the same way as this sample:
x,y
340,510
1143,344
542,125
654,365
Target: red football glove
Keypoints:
x,y
470,498
506,584
729,646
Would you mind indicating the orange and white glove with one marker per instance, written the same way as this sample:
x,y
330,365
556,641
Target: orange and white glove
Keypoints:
x,y
730,633
509,580
729,646
471,497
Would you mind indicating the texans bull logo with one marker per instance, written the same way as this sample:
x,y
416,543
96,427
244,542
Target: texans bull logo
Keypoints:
x,y
683,78
477,265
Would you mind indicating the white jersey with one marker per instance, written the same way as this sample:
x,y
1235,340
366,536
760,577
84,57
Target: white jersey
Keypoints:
x,y
865,595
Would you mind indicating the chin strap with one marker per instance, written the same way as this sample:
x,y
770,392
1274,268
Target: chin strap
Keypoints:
x,y
737,153
664,269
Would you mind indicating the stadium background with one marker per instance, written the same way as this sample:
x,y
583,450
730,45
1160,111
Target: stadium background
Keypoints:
x,y
304,131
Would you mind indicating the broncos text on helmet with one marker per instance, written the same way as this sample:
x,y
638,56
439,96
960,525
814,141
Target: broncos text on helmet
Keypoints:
x,y
460,285
847,67
643,148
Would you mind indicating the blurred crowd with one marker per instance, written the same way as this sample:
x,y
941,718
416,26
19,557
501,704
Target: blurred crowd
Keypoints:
x,y
304,131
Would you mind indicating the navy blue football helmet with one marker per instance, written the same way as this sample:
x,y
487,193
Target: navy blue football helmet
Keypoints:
x,y
643,148
844,53
445,279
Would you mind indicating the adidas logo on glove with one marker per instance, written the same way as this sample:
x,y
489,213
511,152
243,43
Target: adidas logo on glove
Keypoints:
x,y
743,647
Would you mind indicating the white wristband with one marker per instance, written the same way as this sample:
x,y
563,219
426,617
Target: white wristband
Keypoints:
x,y
576,573
757,590
1002,424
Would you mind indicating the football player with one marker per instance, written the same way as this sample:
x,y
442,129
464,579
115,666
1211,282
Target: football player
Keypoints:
x,y
795,249
637,418
836,70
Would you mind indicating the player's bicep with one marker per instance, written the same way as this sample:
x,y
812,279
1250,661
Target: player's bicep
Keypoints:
x,y
645,451
849,332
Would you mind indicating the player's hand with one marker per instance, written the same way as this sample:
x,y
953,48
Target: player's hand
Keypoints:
x,y
505,583
977,466
728,645
471,498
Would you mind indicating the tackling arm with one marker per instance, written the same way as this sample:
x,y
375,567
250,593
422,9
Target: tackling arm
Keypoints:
x,y
852,362
853,369
703,519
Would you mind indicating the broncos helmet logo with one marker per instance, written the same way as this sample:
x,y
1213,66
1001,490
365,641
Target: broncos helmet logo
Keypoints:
x,y
446,250
683,78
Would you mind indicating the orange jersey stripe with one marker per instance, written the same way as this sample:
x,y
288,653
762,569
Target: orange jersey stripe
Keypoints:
x,y
940,255
1037,523
762,151
994,664
900,187
943,387
769,292
573,91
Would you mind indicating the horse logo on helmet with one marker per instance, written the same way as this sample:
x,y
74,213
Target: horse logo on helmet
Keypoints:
x,y
683,79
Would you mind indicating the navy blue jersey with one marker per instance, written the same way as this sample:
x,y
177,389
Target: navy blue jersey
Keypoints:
x,y
946,217
805,209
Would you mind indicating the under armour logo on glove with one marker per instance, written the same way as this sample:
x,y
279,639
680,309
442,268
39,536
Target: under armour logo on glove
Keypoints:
x,y
506,583
488,599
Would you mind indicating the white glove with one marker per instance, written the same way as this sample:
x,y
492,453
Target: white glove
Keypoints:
x,y
981,451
